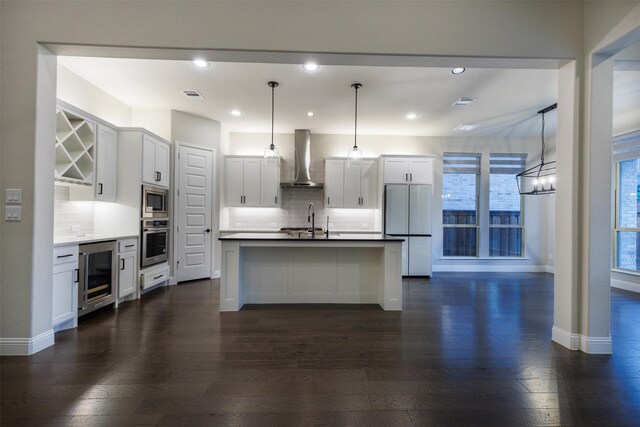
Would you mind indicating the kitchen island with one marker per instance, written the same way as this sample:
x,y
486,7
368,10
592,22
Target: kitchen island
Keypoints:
x,y
276,268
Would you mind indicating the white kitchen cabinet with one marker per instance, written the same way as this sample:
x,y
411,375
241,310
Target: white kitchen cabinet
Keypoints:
x,y
269,183
242,181
64,301
127,267
106,164
351,185
334,183
408,170
360,184
155,161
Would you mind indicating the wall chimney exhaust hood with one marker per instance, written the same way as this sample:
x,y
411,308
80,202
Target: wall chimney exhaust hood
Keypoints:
x,y
302,162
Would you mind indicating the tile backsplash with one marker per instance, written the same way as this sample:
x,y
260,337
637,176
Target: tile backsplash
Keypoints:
x,y
73,218
293,213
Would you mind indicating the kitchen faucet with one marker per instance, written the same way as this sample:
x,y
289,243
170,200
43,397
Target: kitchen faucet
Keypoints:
x,y
312,219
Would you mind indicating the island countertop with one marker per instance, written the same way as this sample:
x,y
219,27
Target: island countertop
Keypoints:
x,y
333,237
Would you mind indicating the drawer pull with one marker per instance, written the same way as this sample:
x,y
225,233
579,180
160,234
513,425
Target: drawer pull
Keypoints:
x,y
157,277
129,246
64,256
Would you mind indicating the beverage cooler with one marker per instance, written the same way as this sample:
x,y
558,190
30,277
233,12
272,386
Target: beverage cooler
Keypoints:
x,y
98,276
407,214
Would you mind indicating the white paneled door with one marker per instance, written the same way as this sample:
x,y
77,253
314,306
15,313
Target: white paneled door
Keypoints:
x,y
194,231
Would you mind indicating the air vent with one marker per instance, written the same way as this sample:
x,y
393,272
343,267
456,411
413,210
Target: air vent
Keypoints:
x,y
465,100
192,94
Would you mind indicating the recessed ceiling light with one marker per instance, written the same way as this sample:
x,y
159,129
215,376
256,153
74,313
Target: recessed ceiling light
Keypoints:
x,y
310,113
465,100
236,113
201,63
311,66
458,70
411,116
466,127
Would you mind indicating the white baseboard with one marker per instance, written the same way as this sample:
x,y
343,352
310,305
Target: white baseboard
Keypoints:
x,y
216,274
591,345
627,286
26,346
596,345
566,339
492,268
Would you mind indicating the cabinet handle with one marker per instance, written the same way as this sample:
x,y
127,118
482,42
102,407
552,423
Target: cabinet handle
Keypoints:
x,y
276,199
77,279
122,266
411,177
129,246
157,176
406,177
100,188
64,256
157,277
328,200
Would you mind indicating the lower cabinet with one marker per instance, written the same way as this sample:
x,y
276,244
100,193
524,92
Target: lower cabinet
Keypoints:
x,y
127,267
64,308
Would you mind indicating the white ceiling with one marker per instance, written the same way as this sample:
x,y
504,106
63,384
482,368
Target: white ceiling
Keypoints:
x,y
506,106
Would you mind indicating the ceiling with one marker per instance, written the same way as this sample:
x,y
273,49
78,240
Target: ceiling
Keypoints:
x,y
506,105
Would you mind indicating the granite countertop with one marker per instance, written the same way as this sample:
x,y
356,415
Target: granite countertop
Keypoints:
x,y
333,237
89,238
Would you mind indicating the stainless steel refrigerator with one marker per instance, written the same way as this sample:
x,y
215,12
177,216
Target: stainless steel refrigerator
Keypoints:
x,y
407,213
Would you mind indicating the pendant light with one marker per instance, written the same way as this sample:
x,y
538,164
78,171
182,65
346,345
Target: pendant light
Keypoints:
x,y
271,153
540,179
355,153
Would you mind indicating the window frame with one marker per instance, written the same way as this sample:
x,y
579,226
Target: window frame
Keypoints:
x,y
522,212
475,226
625,147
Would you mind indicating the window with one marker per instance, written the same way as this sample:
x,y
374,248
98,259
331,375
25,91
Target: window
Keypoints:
x,y
460,204
626,155
505,205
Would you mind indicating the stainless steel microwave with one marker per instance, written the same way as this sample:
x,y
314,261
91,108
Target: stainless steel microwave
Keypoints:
x,y
155,202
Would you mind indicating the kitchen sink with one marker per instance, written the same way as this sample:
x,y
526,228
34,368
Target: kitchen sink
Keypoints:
x,y
303,232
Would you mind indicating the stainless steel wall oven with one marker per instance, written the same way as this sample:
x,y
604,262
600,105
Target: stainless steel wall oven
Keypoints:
x,y
98,282
155,241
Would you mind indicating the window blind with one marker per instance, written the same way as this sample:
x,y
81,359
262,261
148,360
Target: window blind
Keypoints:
x,y
626,147
468,163
507,163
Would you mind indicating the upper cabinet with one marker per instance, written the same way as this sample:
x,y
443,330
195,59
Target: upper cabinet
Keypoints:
x,y
408,170
75,148
269,183
155,161
242,181
351,185
106,164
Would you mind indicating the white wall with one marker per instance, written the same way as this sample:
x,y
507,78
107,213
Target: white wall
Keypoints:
x,y
78,92
156,121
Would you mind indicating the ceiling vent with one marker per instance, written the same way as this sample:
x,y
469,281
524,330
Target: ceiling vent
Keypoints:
x,y
192,94
465,100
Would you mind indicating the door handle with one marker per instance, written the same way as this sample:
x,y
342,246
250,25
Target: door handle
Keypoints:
x,y
100,188
208,230
77,271
122,266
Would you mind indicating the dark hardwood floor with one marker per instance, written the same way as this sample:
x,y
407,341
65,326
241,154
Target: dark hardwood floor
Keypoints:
x,y
468,349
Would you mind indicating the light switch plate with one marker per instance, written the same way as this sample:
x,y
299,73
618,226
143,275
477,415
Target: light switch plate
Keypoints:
x,y
13,213
13,195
